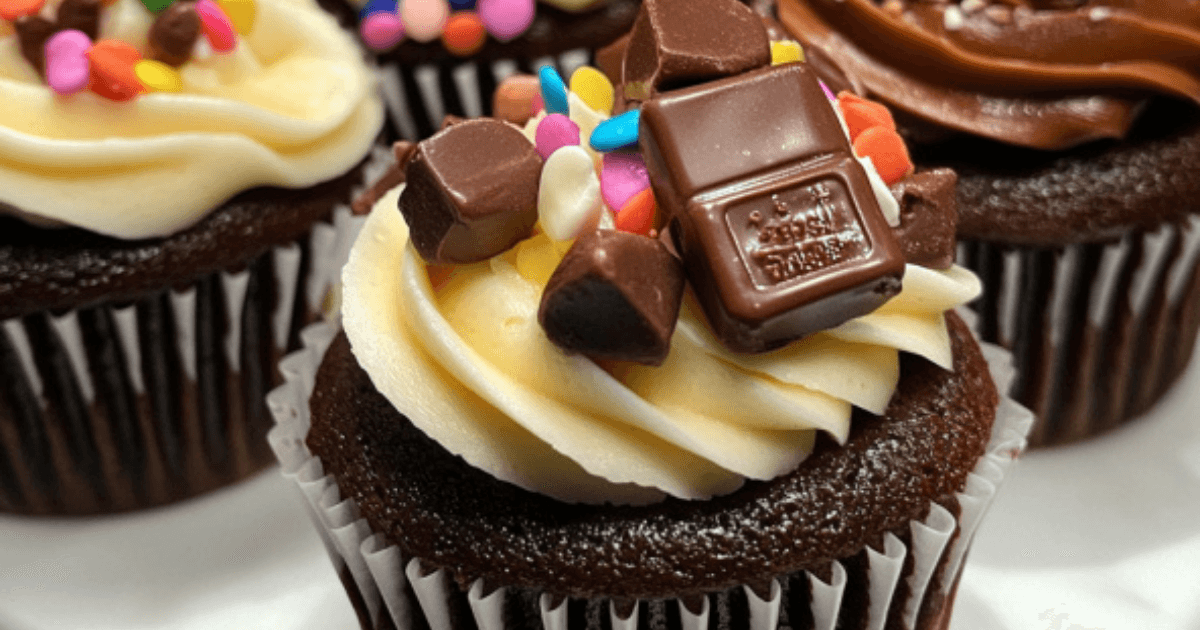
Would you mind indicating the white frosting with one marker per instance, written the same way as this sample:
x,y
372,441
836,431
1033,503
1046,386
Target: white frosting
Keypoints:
x,y
470,366
294,105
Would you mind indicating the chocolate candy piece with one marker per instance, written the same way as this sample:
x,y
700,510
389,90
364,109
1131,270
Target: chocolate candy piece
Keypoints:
x,y
81,15
174,32
32,33
615,295
676,43
776,221
472,191
928,217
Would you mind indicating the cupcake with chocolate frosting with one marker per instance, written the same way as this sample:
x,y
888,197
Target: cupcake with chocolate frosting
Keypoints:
x,y
169,178
671,367
1073,127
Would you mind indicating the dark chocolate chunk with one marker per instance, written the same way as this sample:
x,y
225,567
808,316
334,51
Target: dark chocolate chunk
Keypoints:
x,y
451,119
402,152
676,43
81,15
174,32
32,33
776,221
928,217
472,191
615,295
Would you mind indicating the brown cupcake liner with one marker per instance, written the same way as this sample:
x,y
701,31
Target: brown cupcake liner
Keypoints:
x,y
119,406
419,97
909,582
1099,331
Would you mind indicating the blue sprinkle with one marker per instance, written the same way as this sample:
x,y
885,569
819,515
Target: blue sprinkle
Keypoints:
x,y
376,6
617,132
554,91
462,5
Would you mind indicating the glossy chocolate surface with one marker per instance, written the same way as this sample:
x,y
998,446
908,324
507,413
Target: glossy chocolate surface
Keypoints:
x,y
472,191
775,220
676,43
928,217
615,295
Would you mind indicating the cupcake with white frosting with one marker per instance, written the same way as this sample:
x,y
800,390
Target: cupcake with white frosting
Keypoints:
x,y
169,177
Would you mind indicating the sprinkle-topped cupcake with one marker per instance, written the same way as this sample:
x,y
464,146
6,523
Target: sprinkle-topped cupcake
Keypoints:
x,y
686,362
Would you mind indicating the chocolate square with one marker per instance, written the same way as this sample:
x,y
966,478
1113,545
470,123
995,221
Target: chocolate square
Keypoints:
x,y
777,224
471,192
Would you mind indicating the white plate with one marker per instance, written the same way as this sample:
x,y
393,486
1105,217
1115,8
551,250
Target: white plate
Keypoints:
x,y
1100,536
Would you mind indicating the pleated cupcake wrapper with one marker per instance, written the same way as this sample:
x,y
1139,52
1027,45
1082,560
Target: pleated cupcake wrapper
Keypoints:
x,y
419,97
1099,331
908,581
120,406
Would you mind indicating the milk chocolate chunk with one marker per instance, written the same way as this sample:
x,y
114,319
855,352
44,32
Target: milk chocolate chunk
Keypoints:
x,y
174,32
778,227
32,33
615,295
472,191
676,43
81,15
928,217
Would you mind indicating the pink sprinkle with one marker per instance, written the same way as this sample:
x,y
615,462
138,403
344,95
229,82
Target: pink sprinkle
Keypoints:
x,y
67,68
555,132
622,176
424,19
217,26
827,91
382,30
505,19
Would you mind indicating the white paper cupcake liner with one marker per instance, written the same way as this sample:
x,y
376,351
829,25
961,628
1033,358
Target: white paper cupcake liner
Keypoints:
x,y
1099,330
419,97
907,583
125,405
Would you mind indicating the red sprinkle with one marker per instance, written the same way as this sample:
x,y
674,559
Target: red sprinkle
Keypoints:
x,y
464,34
113,76
218,28
637,215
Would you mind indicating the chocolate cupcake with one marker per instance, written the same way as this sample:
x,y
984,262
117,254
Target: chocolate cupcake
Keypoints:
x,y
172,189
1073,127
545,412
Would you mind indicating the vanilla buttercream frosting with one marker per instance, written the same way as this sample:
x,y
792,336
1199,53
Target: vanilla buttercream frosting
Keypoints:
x,y
293,105
470,366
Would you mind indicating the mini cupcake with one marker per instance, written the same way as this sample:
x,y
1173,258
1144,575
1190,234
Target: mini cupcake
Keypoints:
x,y
1073,127
169,178
544,411
442,58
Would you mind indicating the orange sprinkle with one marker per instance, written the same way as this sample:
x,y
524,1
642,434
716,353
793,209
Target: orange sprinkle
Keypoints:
x,y
861,113
113,75
637,215
886,149
12,9
464,34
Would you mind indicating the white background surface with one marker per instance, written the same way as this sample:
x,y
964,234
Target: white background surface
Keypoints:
x,y
1100,536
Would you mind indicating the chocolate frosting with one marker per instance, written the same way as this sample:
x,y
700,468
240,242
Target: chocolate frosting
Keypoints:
x,y
1048,78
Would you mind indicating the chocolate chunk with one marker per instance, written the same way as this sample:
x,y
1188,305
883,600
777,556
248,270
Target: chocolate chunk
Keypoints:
x,y
928,217
402,152
174,32
451,119
472,191
677,43
81,15
779,230
616,296
32,33
611,59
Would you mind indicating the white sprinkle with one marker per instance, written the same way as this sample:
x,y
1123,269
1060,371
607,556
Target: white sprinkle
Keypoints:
x,y
1099,14
971,6
953,18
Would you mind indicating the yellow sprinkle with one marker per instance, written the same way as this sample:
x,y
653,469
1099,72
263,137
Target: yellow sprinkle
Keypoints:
x,y
786,51
594,88
158,76
241,13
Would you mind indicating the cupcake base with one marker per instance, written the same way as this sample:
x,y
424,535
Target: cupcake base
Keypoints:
x,y
904,579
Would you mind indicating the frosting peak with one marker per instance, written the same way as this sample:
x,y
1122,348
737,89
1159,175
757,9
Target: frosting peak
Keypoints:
x,y
292,106
1047,78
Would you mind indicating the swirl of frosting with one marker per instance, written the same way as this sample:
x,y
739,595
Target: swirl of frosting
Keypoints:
x,y
1049,79
470,366
292,106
